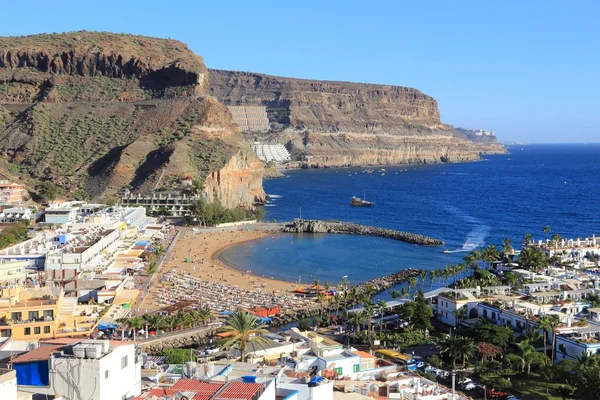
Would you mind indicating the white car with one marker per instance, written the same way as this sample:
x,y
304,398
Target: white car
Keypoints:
x,y
468,386
211,350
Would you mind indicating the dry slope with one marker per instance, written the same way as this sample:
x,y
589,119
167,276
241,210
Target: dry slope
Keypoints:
x,y
97,112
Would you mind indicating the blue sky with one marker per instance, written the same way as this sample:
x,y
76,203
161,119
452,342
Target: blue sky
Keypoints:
x,y
528,70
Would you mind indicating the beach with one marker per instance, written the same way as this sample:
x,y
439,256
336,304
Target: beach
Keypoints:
x,y
195,257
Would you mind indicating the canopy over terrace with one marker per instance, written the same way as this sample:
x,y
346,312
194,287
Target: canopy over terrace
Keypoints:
x,y
389,305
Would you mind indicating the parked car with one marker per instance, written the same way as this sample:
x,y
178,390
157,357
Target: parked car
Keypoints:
x,y
421,364
211,350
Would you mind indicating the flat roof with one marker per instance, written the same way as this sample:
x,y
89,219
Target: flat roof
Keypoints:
x,y
40,354
364,354
239,391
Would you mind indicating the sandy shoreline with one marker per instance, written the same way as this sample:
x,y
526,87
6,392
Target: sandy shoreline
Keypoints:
x,y
198,255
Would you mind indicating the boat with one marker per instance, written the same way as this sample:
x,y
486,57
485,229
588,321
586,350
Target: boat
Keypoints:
x,y
345,276
358,202
446,251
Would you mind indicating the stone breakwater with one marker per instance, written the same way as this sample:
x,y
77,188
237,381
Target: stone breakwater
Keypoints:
x,y
318,226
378,285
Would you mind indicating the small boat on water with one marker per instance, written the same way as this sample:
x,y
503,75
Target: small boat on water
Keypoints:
x,y
446,251
358,202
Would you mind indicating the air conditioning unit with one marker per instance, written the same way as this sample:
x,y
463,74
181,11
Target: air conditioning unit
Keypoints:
x,y
79,350
93,351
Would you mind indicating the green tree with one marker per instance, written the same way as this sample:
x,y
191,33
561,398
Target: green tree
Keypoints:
x,y
178,356
381,307
528,239
395,294
548,323
586,386
243,329
47,191
533,259
546,230
422,313
358,318
451,346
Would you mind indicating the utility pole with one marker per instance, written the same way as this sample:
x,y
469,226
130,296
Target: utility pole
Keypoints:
x,y
453,385
300,212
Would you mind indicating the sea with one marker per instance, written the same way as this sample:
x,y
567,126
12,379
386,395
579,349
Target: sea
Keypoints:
x,y
466,205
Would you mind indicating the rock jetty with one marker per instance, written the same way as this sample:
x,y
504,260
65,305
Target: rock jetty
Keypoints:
x,y
318,226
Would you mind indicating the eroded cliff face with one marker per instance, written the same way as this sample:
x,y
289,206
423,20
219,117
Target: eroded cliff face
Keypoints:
x,y
96,113
343,123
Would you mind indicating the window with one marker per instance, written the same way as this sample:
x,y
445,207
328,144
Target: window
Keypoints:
x,y
106,374
37,330
124,362
15,316
28,331
338,370
32,315
46,329
48,314
6,333
356,368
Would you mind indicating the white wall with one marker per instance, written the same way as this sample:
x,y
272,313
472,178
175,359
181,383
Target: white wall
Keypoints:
x,y
84,378
8,386
269,393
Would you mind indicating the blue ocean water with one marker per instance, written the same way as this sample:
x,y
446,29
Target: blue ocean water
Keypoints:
x,y
468,205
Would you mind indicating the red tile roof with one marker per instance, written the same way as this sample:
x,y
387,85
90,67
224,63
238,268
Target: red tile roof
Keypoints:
x,y
201,388
239,391
40,354
364,354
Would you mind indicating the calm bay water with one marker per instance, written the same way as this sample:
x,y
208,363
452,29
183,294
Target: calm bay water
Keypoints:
x,y
466,205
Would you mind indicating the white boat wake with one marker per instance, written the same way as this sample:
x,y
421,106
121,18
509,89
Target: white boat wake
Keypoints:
x,y
274,196
476,237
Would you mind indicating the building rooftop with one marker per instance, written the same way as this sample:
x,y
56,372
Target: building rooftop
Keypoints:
x,y
239,391
40,354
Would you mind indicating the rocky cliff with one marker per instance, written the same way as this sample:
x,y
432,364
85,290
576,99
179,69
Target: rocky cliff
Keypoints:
x,y
343,123
97,112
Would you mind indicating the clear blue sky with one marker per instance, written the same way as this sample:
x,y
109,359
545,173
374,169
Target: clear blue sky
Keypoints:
x,y
528,70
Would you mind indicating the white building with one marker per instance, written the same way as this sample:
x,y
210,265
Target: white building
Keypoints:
x,y
8,384
61,214
12,272
16,214
75,256
99,370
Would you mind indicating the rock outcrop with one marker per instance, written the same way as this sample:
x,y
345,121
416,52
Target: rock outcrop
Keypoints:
x,y
343,123
97,112
318,226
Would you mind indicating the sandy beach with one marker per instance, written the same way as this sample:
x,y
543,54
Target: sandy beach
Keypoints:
x,y
196,255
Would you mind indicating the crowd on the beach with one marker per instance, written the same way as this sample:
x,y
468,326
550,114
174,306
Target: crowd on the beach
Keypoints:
x,y
177,286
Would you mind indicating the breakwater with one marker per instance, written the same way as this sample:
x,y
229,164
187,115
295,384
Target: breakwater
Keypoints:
x,y
374,286
319,226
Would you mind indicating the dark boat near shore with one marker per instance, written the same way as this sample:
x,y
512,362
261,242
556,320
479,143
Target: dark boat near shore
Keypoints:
x,y
358,202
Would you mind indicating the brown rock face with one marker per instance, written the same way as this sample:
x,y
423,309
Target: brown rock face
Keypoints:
x,y
343,123
96,113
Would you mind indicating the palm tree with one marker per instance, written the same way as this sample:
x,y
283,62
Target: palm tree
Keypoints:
x,y
358,318
511,278
337,298
554,322
204,314
546,230
321,299
544,325
527,355
370,310
467,348
158,250
556,238
423,274
431,279
243,329
154,321
490,254
395,294
171,322
412,284
123,323
451,346
316,284
404,292
527,239
135,323
382,306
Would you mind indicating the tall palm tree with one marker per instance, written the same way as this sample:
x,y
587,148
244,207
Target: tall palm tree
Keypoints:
x,y
395,294
546,230
243,329
431,279
412,284
556,238
316,284
527,239
467,348
553,324
321,298
171,322
452,347
423,275
358,318
544,325
370,310
381,307
337,299
124,324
